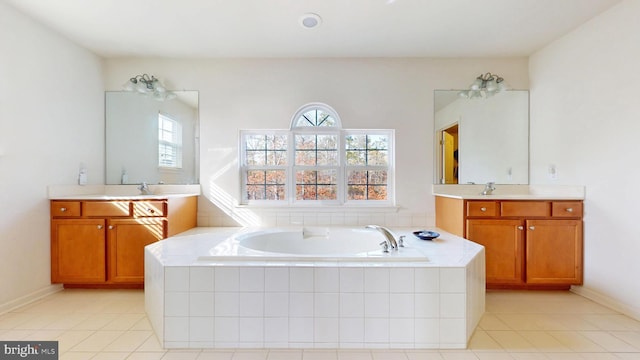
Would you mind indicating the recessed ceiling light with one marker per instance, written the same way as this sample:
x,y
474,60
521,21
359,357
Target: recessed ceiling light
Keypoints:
x,y
310,20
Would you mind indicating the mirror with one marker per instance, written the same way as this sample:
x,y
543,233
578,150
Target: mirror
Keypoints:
x,y
481,140
152,141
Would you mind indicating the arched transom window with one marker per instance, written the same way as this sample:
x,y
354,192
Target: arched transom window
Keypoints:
x,y
317,162
316,115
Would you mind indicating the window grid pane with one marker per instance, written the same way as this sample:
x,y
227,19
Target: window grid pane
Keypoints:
x,y
367,185
316,150
266,150
266,184
367,150
317,184
167,155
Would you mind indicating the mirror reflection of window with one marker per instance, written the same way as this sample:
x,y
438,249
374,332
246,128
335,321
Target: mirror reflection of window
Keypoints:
x,y
169,142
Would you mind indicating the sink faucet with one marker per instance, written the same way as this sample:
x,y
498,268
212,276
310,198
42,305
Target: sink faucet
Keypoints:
x,y
390,240
488,188
144,189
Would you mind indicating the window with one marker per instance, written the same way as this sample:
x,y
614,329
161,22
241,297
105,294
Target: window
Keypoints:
x,y
265,158
169,142
367,165
317,161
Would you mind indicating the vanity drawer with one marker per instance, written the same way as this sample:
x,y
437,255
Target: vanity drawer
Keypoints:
x,y
148,208
106,208
65,208
482,208
525,208
566,209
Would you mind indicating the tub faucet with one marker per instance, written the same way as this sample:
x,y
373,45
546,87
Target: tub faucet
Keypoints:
x,y
488,188
144,189
390,240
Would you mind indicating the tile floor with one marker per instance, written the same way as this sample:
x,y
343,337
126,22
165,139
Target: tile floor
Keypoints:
x,y
111,324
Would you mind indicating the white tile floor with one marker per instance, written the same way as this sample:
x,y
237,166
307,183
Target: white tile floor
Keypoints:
x,y
111,324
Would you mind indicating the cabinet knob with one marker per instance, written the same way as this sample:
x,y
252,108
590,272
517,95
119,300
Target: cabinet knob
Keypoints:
x,y
483,209
532,227
63,209
110,227
520,227
569,209
99,227
151,210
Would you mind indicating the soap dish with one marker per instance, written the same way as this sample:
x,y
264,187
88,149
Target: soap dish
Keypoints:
x,y
426,234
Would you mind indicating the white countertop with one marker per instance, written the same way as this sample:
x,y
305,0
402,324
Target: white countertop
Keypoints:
x,y
184,249
511,192
120,197
120,192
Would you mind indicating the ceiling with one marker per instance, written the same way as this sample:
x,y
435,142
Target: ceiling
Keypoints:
x,y
349,28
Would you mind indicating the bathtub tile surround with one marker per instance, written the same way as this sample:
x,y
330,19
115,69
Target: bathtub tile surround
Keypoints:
x,y
434,304
315,319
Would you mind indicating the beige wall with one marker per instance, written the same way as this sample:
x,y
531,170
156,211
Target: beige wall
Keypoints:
x,y
51,120
366,93
585,120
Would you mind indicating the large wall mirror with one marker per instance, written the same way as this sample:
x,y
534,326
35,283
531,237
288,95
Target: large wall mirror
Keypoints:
x,y
482,140
151,141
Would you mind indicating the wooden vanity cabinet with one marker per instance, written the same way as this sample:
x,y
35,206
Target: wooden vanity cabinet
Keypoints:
x,y
126,239
528,244
554,252
101,243
504,249
78,251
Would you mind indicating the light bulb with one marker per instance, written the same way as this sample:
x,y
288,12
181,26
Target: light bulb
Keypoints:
x,y
142,87
492,85
159,87
129,86
476,84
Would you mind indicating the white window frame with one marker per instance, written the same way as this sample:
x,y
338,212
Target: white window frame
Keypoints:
x,y
341,168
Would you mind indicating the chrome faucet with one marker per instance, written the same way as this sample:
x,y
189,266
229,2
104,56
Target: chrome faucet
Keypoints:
x,y
488,188
144,189
390,240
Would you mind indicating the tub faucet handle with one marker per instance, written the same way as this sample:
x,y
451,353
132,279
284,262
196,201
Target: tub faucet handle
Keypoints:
x,y
385,246
401,241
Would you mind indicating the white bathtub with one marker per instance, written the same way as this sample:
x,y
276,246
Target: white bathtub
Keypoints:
x,y
310,244
320,288
311,241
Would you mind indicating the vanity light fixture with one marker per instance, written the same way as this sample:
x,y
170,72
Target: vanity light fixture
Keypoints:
x,y
484,86
150,86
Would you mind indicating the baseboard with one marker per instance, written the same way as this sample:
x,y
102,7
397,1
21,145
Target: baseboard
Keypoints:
x,y
607,301
29,298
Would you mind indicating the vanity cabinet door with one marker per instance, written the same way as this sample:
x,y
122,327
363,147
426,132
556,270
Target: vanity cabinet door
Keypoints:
x,y
126,241
504,249
78,251
554,252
